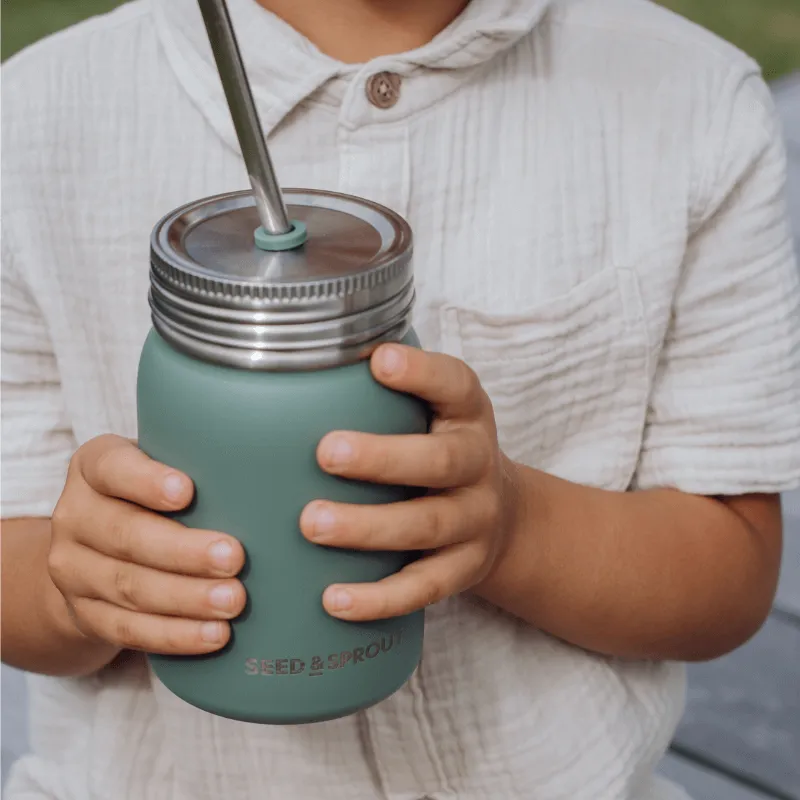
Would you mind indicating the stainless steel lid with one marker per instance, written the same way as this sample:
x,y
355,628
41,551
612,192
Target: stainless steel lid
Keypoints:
x,y
218,297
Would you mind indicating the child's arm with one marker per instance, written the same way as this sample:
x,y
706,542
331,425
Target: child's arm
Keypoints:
x,y
658,574
676,574
669,574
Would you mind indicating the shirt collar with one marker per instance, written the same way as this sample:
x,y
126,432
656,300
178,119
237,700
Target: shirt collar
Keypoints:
x,y
285,68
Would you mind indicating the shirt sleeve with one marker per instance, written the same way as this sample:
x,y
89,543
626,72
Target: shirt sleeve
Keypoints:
x,y
724,413
37,439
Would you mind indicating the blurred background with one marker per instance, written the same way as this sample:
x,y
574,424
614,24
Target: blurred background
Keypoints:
x,y
767,29
740,737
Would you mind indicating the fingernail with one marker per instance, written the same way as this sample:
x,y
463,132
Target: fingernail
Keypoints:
x,y
174,485
338,451
221,597
211,632
221,554
390,360
321,519
338,599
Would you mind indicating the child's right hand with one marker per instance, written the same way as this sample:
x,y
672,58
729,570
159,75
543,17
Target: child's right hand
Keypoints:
x,y
131,577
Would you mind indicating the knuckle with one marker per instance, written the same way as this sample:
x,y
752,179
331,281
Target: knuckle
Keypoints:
x,y
362,527
74,467
436,522
431,591
58,565
384,608
177,641
102,459
61,517
108,444
446,460
123,634
486,445
470,382
121,537
480,562
418,539
80,619
163,544
442,522
179,601
103,465
493,506
371,456
384,460
126,586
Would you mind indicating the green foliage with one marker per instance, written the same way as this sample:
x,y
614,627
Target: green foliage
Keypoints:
x,y
25,21
767,29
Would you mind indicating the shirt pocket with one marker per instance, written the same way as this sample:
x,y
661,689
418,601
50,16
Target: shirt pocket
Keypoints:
x,y
568,378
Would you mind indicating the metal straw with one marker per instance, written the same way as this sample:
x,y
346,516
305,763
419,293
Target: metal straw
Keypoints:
x,y
269,200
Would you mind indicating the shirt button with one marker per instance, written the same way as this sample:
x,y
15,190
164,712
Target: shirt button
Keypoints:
x,y
383,89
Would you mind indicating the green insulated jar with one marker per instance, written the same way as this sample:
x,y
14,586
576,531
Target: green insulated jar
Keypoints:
x,y
256,355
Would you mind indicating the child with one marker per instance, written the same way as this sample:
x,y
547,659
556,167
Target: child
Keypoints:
x,y
611,315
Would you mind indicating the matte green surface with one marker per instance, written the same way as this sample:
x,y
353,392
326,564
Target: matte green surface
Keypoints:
x,y
248,440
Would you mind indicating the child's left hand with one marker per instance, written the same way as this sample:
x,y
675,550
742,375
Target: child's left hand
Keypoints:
x,y
462,524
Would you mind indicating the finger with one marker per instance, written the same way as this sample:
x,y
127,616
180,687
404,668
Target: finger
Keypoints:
x,y
131,630
116,467
415,587
425,523
456,457
447,383
129,533
151,591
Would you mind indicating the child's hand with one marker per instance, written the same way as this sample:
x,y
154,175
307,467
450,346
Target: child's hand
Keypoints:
x,y
130,577
462,523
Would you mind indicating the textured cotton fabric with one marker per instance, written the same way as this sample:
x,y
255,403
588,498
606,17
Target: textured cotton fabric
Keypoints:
x,y
596,190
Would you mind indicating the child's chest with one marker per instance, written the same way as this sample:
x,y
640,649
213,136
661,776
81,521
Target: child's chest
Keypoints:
x,y
546,262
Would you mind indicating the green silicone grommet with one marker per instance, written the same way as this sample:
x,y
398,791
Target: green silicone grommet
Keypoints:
x,y
282,241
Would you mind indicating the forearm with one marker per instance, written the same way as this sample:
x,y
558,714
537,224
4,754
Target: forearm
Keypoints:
x,y
37,632
655,574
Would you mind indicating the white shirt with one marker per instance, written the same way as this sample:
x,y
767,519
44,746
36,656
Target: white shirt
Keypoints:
x,y
596,189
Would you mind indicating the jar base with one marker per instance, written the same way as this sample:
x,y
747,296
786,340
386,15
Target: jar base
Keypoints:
x,y
309,718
